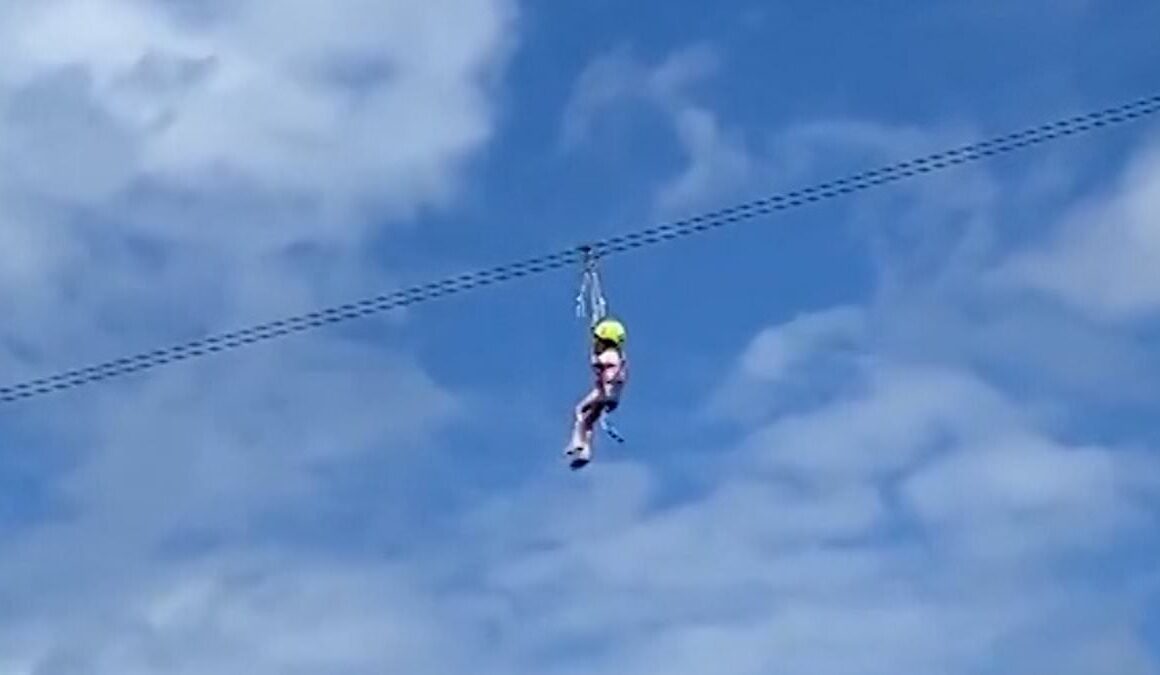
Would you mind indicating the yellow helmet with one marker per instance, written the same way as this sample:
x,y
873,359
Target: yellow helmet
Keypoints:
x,y
611,330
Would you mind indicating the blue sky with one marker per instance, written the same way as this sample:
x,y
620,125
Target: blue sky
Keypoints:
x,y
910,431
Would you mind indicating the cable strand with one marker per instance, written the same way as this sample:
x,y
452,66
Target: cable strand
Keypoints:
x,y
622,243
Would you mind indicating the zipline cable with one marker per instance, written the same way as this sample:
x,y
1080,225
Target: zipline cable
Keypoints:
x,y
462,283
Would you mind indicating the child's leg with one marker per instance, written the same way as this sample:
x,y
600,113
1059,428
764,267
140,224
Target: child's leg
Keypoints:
x,y
587,412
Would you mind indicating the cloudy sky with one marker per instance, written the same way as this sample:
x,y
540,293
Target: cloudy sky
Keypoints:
x,y
914,431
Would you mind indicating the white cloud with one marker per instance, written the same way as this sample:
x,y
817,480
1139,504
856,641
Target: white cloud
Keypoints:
x,y
902,497
1018,499
347,100
171,169
985,489
775,352
718,161
723,163
1112,649
854,530
147,148
233,155
890,417
1105,259
31,247
619,77
1008,476
783,363
213,453
258,614
914,517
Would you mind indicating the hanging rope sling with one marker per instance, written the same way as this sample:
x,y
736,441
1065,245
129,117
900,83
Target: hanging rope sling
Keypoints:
x,y
591,305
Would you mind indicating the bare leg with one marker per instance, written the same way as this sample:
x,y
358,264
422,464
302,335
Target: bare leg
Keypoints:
x,y
587,412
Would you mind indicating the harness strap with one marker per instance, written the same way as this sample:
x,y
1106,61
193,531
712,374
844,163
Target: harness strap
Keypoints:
x,y
590,301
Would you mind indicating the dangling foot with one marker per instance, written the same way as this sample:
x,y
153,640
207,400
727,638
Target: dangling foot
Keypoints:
x,y
581,455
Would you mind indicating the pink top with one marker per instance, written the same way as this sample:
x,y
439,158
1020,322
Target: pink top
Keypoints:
x,y
610,367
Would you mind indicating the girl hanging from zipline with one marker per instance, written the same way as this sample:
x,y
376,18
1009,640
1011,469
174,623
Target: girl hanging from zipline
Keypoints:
x,y
610,367
607,361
